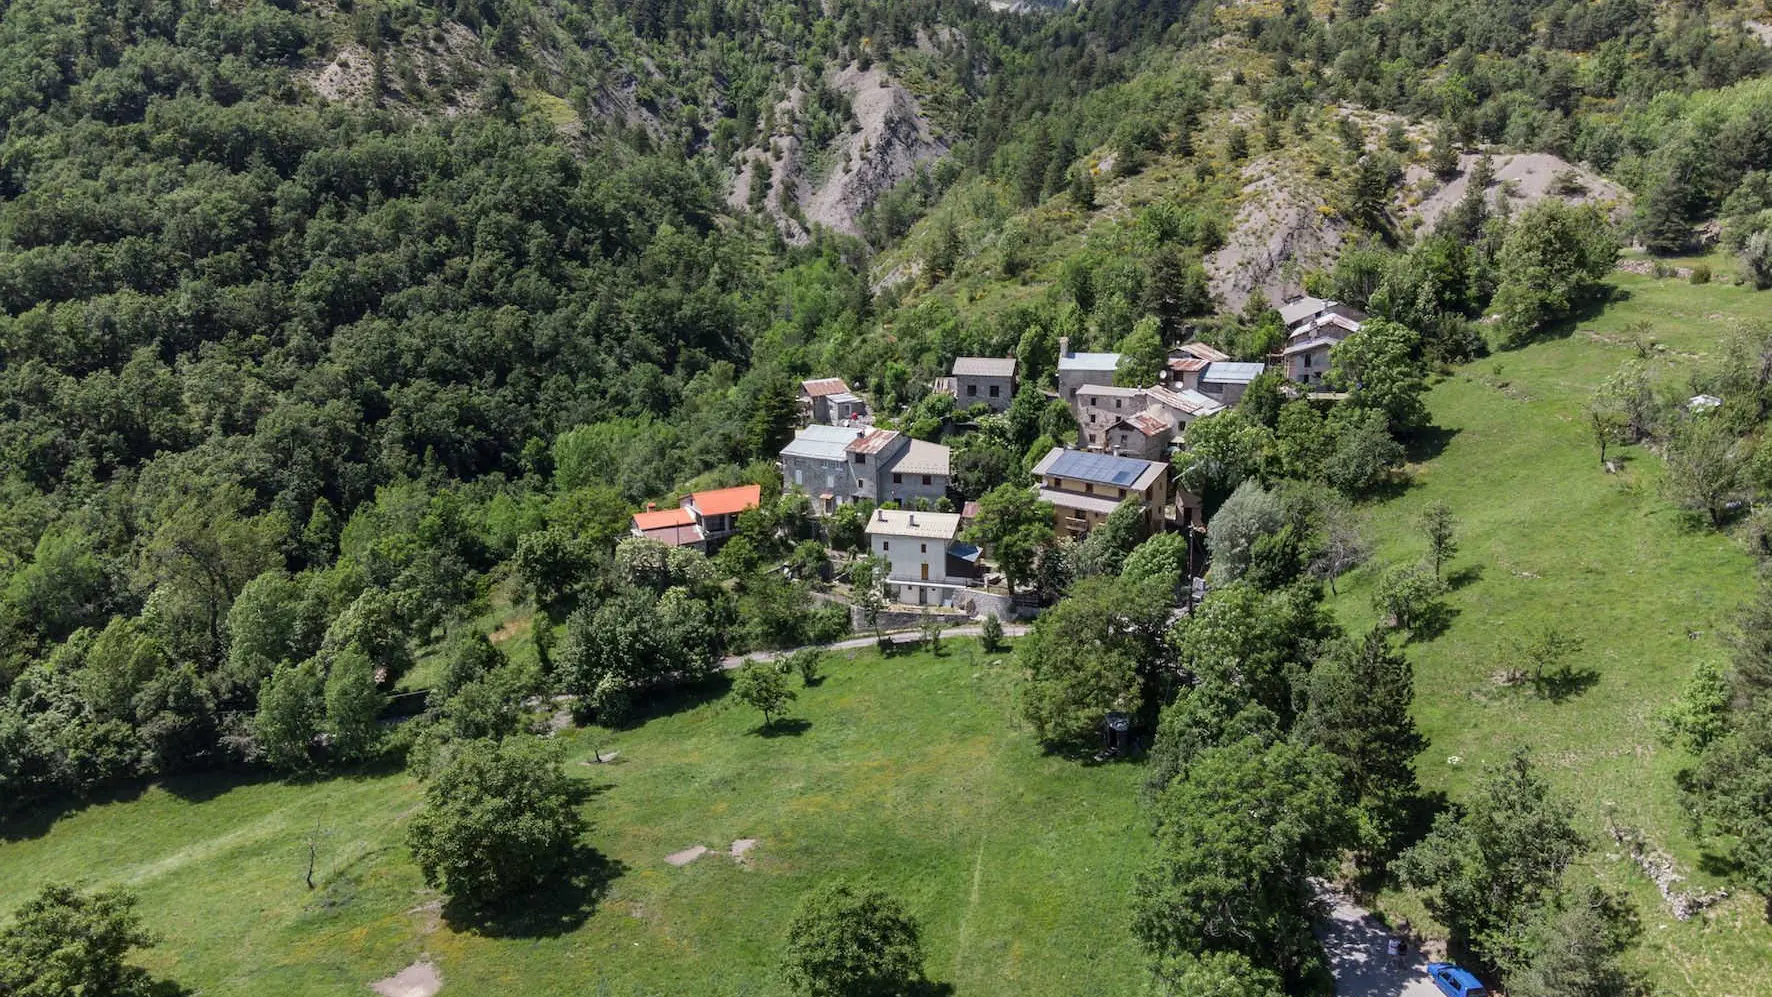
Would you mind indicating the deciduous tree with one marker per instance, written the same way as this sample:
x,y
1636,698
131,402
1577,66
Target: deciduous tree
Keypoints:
x,y
847,941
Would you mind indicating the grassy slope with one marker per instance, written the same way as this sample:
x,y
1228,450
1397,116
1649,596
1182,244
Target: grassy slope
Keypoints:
x,y
1556,540
910,774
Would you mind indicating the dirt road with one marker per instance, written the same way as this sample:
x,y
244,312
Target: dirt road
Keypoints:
x,y
1356,944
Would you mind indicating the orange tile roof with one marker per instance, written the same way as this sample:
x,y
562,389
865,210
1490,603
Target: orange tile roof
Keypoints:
x,y
663,519
1188,364
677,536
727,500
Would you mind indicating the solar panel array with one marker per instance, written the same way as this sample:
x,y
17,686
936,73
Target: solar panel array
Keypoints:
x,y
1122,471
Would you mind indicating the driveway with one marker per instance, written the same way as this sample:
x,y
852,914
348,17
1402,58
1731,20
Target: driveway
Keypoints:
x,y
732,661
1355,941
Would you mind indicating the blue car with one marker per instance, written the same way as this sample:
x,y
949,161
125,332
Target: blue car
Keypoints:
x,y
1454,981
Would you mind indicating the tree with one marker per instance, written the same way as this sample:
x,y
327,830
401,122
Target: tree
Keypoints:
x,y
1365,452
498,818
1750,666
1214,974
1093,653
1258,644
65,942
1252,512
1441,530
772,420
1553,259
1141,355
291,709
1368,192
1222,451
1575,949
983,465
847,941
1161,560
807,662
1544,653
1700,715
762,689
1359,701
1105,549
1624,405
1487,869
1238,837
990,632
1379,368
1407,595
1012,524
353,706
1344,542
1703,468
1729,795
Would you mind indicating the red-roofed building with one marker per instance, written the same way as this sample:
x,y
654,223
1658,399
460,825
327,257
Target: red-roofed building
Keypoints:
x,y
702,521
827,401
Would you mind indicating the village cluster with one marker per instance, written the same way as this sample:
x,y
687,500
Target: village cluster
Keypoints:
x,y
1127,439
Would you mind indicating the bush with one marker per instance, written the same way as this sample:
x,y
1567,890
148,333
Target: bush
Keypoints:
x,y
1407,596
853,942
990,632
808,662
497,820
1700,275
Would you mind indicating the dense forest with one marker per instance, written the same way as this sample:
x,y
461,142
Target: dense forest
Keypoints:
x,y
292,381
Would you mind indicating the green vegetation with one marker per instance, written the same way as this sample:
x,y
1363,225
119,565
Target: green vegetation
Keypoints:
x,y
1549,539
907,773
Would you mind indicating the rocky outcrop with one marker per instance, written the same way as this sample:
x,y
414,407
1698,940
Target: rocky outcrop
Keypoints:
x,y
888,139
1284,229
1524,179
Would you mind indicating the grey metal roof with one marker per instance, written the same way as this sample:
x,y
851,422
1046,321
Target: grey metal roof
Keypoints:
x,y
1089,361
1299,309
1224,372
984,366
820,443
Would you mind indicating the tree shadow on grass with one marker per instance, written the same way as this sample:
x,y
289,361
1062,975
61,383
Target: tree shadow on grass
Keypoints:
x,y
1432,622
1470,574
39,819
1565,683
1586,310
557,907
785,727
1428,442
664,702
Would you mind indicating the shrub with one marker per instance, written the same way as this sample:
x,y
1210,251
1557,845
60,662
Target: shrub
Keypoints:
x,y
853,942
990,632
1700,275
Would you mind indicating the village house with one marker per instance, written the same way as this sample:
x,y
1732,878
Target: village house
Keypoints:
x,y
703,520
1084,488
827,401
1077,369
816,461
1314,327
925,566
888,466
1186,362
1138,422
835,465
990,380
1225,382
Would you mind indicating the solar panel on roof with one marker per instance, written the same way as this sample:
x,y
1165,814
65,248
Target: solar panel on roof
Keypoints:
x,y
1097,467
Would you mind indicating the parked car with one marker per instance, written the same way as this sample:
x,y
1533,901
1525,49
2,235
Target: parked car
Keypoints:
x,y
1454,981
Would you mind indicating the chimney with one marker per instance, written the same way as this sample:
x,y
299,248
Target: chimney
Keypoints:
x,y
1064,346
913,519
652,507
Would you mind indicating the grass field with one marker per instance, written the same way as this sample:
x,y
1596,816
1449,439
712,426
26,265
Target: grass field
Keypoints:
x,y
908,772
1551,538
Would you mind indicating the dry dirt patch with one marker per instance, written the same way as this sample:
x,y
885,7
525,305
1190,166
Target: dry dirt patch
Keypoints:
x,y
420,979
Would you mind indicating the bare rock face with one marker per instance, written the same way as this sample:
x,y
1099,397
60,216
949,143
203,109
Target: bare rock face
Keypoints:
x,y
892,139
1283,230
1524,179
888,139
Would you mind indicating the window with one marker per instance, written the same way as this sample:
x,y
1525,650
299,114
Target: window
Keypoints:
x,y
799,476
1307,361
1117,402
1088,489
897,479
994,390
922,548
1122,493
885,545
1092,418
926,480
972,390
861,458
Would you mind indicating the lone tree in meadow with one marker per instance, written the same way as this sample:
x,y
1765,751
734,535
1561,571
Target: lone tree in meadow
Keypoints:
x,y
764,689
1441,530
498,818
847,941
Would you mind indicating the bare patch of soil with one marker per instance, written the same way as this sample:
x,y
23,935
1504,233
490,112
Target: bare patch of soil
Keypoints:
x,y
1525,179
421,979
515,627
686,856
741,848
